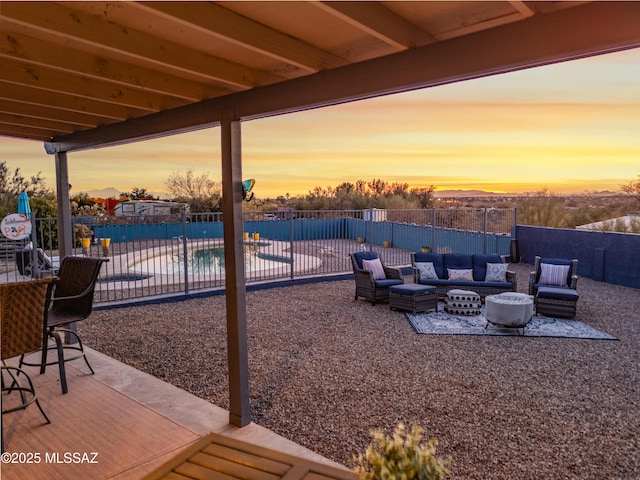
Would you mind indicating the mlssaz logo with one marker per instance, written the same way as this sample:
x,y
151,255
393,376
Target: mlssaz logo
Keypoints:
x,y
71,457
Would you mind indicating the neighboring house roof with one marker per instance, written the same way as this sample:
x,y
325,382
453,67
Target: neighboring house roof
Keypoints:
x,y
628,221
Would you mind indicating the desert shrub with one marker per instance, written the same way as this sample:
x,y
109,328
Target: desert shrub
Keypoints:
x,y
401,457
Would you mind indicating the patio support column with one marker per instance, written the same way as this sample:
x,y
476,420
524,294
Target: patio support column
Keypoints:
x,y
65,227
239,413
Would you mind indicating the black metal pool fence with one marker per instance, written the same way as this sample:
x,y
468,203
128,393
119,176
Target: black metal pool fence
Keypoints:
x,y
167,255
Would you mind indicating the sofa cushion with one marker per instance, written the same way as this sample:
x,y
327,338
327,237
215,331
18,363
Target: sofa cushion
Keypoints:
x,y
551,274
459,261
480,265
374,266
434,281
456,274
436,259
427,270
496,272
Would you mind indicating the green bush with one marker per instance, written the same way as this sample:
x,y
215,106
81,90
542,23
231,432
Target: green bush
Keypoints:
x,y
401,457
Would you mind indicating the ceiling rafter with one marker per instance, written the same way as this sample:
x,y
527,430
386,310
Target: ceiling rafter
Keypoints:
x,y
35,52
523,8
72,103
379,22
51,114
39,123
217,21
86,32
61,83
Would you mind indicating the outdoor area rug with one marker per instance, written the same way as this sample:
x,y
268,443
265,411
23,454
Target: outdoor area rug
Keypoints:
x,y
442,323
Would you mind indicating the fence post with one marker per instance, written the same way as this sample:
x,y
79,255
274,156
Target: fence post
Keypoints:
x,y
185,256
291,242
484,237
370,229
433,230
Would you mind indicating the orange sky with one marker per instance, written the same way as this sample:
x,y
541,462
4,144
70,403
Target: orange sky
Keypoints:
x,y
569,127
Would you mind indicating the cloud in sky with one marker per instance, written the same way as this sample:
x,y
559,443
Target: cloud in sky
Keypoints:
x,y
569,127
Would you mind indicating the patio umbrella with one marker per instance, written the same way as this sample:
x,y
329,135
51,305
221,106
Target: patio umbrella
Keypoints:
x,y
23,204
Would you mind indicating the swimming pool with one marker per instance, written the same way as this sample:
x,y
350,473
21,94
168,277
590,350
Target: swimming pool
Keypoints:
x,y
210,261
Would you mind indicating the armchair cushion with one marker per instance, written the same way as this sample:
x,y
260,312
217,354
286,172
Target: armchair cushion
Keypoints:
x,y
359,256
558,293
374,266
387,282
551,274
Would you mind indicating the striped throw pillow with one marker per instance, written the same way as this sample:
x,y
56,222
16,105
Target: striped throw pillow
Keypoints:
x,y
553,274
374,266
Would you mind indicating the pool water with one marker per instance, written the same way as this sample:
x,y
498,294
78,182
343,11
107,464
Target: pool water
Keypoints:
x,y
207,261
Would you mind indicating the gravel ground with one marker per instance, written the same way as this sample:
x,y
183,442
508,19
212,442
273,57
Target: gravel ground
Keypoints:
x,y
325,370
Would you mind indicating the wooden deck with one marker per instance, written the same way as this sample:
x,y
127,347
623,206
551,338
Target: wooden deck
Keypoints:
x,y
123,424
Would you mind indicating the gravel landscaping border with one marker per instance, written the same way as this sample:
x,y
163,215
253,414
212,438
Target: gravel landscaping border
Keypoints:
x,y
325,370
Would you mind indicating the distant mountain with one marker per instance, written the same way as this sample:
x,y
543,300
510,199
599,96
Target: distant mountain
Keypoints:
x,y
112,192
104,193
467,193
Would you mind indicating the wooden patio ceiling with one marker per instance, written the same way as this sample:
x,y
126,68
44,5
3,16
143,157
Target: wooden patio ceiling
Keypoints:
x,y
80,75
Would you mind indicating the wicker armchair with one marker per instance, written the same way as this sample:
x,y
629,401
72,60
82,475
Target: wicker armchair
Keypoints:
x,y
366,285
22,312
553,282
72,301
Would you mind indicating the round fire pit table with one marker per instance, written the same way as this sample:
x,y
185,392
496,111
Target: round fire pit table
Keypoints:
x,y
509,310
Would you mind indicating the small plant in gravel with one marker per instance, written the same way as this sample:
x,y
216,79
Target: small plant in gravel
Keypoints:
x,y
401,457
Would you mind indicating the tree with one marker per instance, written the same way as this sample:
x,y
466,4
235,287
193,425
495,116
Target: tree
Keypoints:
x,y
201,192
137,194
632,189
543,209
12,184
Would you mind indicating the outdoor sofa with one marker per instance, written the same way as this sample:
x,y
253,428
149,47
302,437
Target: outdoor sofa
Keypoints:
x,y
482,274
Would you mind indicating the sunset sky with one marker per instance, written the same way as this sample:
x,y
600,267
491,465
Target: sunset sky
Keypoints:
x,y
568,127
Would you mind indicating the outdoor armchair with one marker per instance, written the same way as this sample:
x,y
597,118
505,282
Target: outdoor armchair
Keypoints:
x,y
373,278
553,283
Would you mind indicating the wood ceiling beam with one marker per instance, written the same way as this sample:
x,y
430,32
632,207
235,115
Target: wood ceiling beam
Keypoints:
x,y
57,24
39,123
379,22
217,21
35,52
50,114
77,85
585,30
71,103
25,133
522,8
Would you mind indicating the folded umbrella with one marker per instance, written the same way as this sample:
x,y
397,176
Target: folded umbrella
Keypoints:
x,y
23,204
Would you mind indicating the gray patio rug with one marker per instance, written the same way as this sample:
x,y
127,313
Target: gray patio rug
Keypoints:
x,y
442,323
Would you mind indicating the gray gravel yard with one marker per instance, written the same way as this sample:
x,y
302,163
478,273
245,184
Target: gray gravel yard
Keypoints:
x,y
325,370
